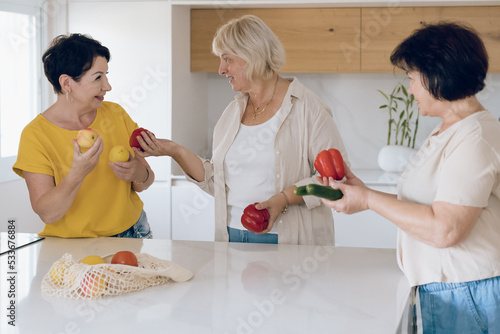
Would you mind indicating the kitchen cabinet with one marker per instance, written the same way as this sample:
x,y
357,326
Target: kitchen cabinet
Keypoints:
x,y
382,29
312,37
367,228
341,40
193,214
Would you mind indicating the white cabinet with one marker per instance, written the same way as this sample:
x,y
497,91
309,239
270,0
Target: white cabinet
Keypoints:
x,y
367,228
15,205
157,207
192,212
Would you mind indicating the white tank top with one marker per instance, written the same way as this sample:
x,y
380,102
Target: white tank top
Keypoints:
x,y
249,169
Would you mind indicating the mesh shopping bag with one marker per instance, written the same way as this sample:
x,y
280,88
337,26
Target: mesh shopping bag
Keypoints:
x,y
68,278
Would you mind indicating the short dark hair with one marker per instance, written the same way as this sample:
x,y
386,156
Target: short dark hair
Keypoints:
x,y
451,58
72,55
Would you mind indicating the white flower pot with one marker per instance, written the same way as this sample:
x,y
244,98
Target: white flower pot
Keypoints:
x,y
395,158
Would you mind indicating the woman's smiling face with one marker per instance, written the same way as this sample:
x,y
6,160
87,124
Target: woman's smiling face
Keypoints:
x,y
234,68
89,91
425,101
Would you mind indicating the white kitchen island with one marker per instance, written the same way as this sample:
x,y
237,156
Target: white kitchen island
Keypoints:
x,y
236,288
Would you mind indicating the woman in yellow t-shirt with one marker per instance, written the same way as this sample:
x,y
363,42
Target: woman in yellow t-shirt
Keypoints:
x,y
78,192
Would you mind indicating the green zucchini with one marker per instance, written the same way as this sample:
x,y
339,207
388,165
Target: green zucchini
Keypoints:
x,y
326,192
300,191
317,190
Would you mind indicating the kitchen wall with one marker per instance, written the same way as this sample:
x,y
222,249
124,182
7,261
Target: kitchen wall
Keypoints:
x,y
355,103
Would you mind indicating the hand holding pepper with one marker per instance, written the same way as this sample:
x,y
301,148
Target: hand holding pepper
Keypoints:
x,y
255,220
329,163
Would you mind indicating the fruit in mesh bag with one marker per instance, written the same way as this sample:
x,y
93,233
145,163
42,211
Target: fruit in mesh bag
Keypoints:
x,y
58,272
92,259
63,274
93,284
125,257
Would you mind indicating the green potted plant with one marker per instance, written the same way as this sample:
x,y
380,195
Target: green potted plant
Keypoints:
x,y
402,129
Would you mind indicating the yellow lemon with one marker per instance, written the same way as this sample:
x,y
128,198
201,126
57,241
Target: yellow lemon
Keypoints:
x,y
57,273
118,153
92,259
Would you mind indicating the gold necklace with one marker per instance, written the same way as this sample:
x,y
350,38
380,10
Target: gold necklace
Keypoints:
x,y
256,111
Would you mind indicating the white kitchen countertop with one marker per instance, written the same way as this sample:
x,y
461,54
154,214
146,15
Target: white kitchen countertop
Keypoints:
x,y
236,288
377,176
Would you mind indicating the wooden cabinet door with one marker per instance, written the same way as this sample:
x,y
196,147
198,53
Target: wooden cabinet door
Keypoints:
x,y
382,29
319,40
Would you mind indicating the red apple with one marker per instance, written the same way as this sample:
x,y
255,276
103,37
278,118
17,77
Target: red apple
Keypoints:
x,y
86,138
133,138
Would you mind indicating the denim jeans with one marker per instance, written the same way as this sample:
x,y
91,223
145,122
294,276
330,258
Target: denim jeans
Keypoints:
x,y
236,235
470,307
140,229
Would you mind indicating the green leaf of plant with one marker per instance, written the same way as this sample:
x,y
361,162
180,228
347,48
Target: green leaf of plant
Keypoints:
x,y
381,92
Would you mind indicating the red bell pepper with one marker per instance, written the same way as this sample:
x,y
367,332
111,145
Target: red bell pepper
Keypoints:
x,y
255,220
329,163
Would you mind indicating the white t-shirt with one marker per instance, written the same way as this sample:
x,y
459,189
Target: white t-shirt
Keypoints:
x,y
249,169
459,166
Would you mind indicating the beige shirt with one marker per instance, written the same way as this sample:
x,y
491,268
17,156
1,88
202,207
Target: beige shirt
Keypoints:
x,y
305,128
459,166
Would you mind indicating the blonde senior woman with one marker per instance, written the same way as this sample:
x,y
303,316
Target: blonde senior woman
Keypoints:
x,y
264,144
448,203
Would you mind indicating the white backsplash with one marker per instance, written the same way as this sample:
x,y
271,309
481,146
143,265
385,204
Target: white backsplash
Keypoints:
x,y
355,103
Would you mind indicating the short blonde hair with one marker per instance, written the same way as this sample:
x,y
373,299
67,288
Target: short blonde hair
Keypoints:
x,y
249,38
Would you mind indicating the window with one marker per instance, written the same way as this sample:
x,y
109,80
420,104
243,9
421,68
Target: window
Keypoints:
x,y
19,89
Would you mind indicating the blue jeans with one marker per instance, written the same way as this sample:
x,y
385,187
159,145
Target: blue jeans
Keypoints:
x,y
236,235
470,307
140,229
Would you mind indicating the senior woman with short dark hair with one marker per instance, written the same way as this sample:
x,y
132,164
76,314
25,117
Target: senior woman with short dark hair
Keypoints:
x,y
264,143
448,203
78,192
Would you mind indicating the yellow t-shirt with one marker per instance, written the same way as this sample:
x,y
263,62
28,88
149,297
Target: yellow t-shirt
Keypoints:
x,y
104,204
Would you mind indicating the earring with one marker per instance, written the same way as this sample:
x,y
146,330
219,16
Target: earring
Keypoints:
x,y
67,97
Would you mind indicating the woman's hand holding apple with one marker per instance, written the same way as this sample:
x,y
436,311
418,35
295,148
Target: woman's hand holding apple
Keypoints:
x,y
84,163
153,146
